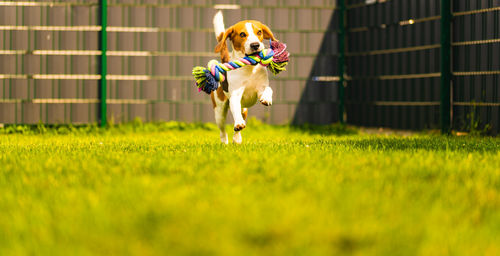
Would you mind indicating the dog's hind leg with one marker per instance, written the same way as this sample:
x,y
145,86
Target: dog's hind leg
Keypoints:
x,y
221,106
237,134
244,113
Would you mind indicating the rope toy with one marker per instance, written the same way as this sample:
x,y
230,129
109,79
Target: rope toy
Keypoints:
x,y
275,59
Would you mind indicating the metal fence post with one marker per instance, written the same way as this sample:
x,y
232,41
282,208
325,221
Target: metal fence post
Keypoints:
x,y
445,66
104,63
341,58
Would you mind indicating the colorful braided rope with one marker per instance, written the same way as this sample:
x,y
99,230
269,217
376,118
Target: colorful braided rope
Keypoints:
x,y
218,69
207,79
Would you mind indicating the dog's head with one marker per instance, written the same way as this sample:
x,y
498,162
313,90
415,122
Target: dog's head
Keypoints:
x,y
246,36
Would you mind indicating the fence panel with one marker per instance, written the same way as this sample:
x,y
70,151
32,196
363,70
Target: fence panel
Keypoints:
x,y
476,66
393,64
157,84
49,66
48,62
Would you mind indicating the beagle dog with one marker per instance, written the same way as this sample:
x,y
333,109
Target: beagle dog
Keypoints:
x,y
244,86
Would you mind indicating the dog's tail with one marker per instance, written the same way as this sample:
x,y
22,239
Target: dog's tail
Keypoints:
x,y
219,33
219,25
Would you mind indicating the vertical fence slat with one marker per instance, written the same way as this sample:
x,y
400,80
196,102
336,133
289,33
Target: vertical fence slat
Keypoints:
x,y
445,66
341,59
104,61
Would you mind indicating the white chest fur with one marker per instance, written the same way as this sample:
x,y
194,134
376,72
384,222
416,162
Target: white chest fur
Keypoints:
x,y
251,81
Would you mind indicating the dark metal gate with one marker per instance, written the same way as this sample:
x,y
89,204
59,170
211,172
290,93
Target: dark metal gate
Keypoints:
x,y
397,64
393,62
476,64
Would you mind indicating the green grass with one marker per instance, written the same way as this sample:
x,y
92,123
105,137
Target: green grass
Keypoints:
x,y
172,189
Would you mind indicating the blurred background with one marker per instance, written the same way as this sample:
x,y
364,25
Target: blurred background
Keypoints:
x,y
51,54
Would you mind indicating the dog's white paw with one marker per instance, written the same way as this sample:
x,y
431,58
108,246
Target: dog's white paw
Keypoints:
x,y
267,98
266,102
223,138
238,126
237,138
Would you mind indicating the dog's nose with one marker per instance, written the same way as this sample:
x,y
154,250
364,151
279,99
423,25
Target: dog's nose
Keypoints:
x,y
255,46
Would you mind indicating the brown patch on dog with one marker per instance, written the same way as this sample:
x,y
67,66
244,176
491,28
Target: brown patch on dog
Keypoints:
x,y
267,33
224,53
214,104
222,45
220,94
237,39
244,113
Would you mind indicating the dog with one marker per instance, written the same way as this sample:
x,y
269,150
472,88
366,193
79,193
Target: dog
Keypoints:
x,y
244,86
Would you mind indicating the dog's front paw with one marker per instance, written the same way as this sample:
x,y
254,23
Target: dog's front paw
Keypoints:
x,y
266,102
239,126
266,99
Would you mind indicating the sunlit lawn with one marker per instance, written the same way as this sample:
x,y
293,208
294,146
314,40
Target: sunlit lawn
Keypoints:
x,y
173,189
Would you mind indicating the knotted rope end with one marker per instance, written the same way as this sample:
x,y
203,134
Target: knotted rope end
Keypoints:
x,y
205,81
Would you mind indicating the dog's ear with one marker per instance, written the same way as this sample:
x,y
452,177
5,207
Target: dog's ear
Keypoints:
x,y
222,45
268,34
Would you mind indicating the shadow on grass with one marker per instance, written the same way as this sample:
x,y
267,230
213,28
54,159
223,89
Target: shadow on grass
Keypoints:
x,y
432,143
333,129
336,129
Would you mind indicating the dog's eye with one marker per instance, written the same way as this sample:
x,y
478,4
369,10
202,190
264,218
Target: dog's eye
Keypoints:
x,y
242,34
259,32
